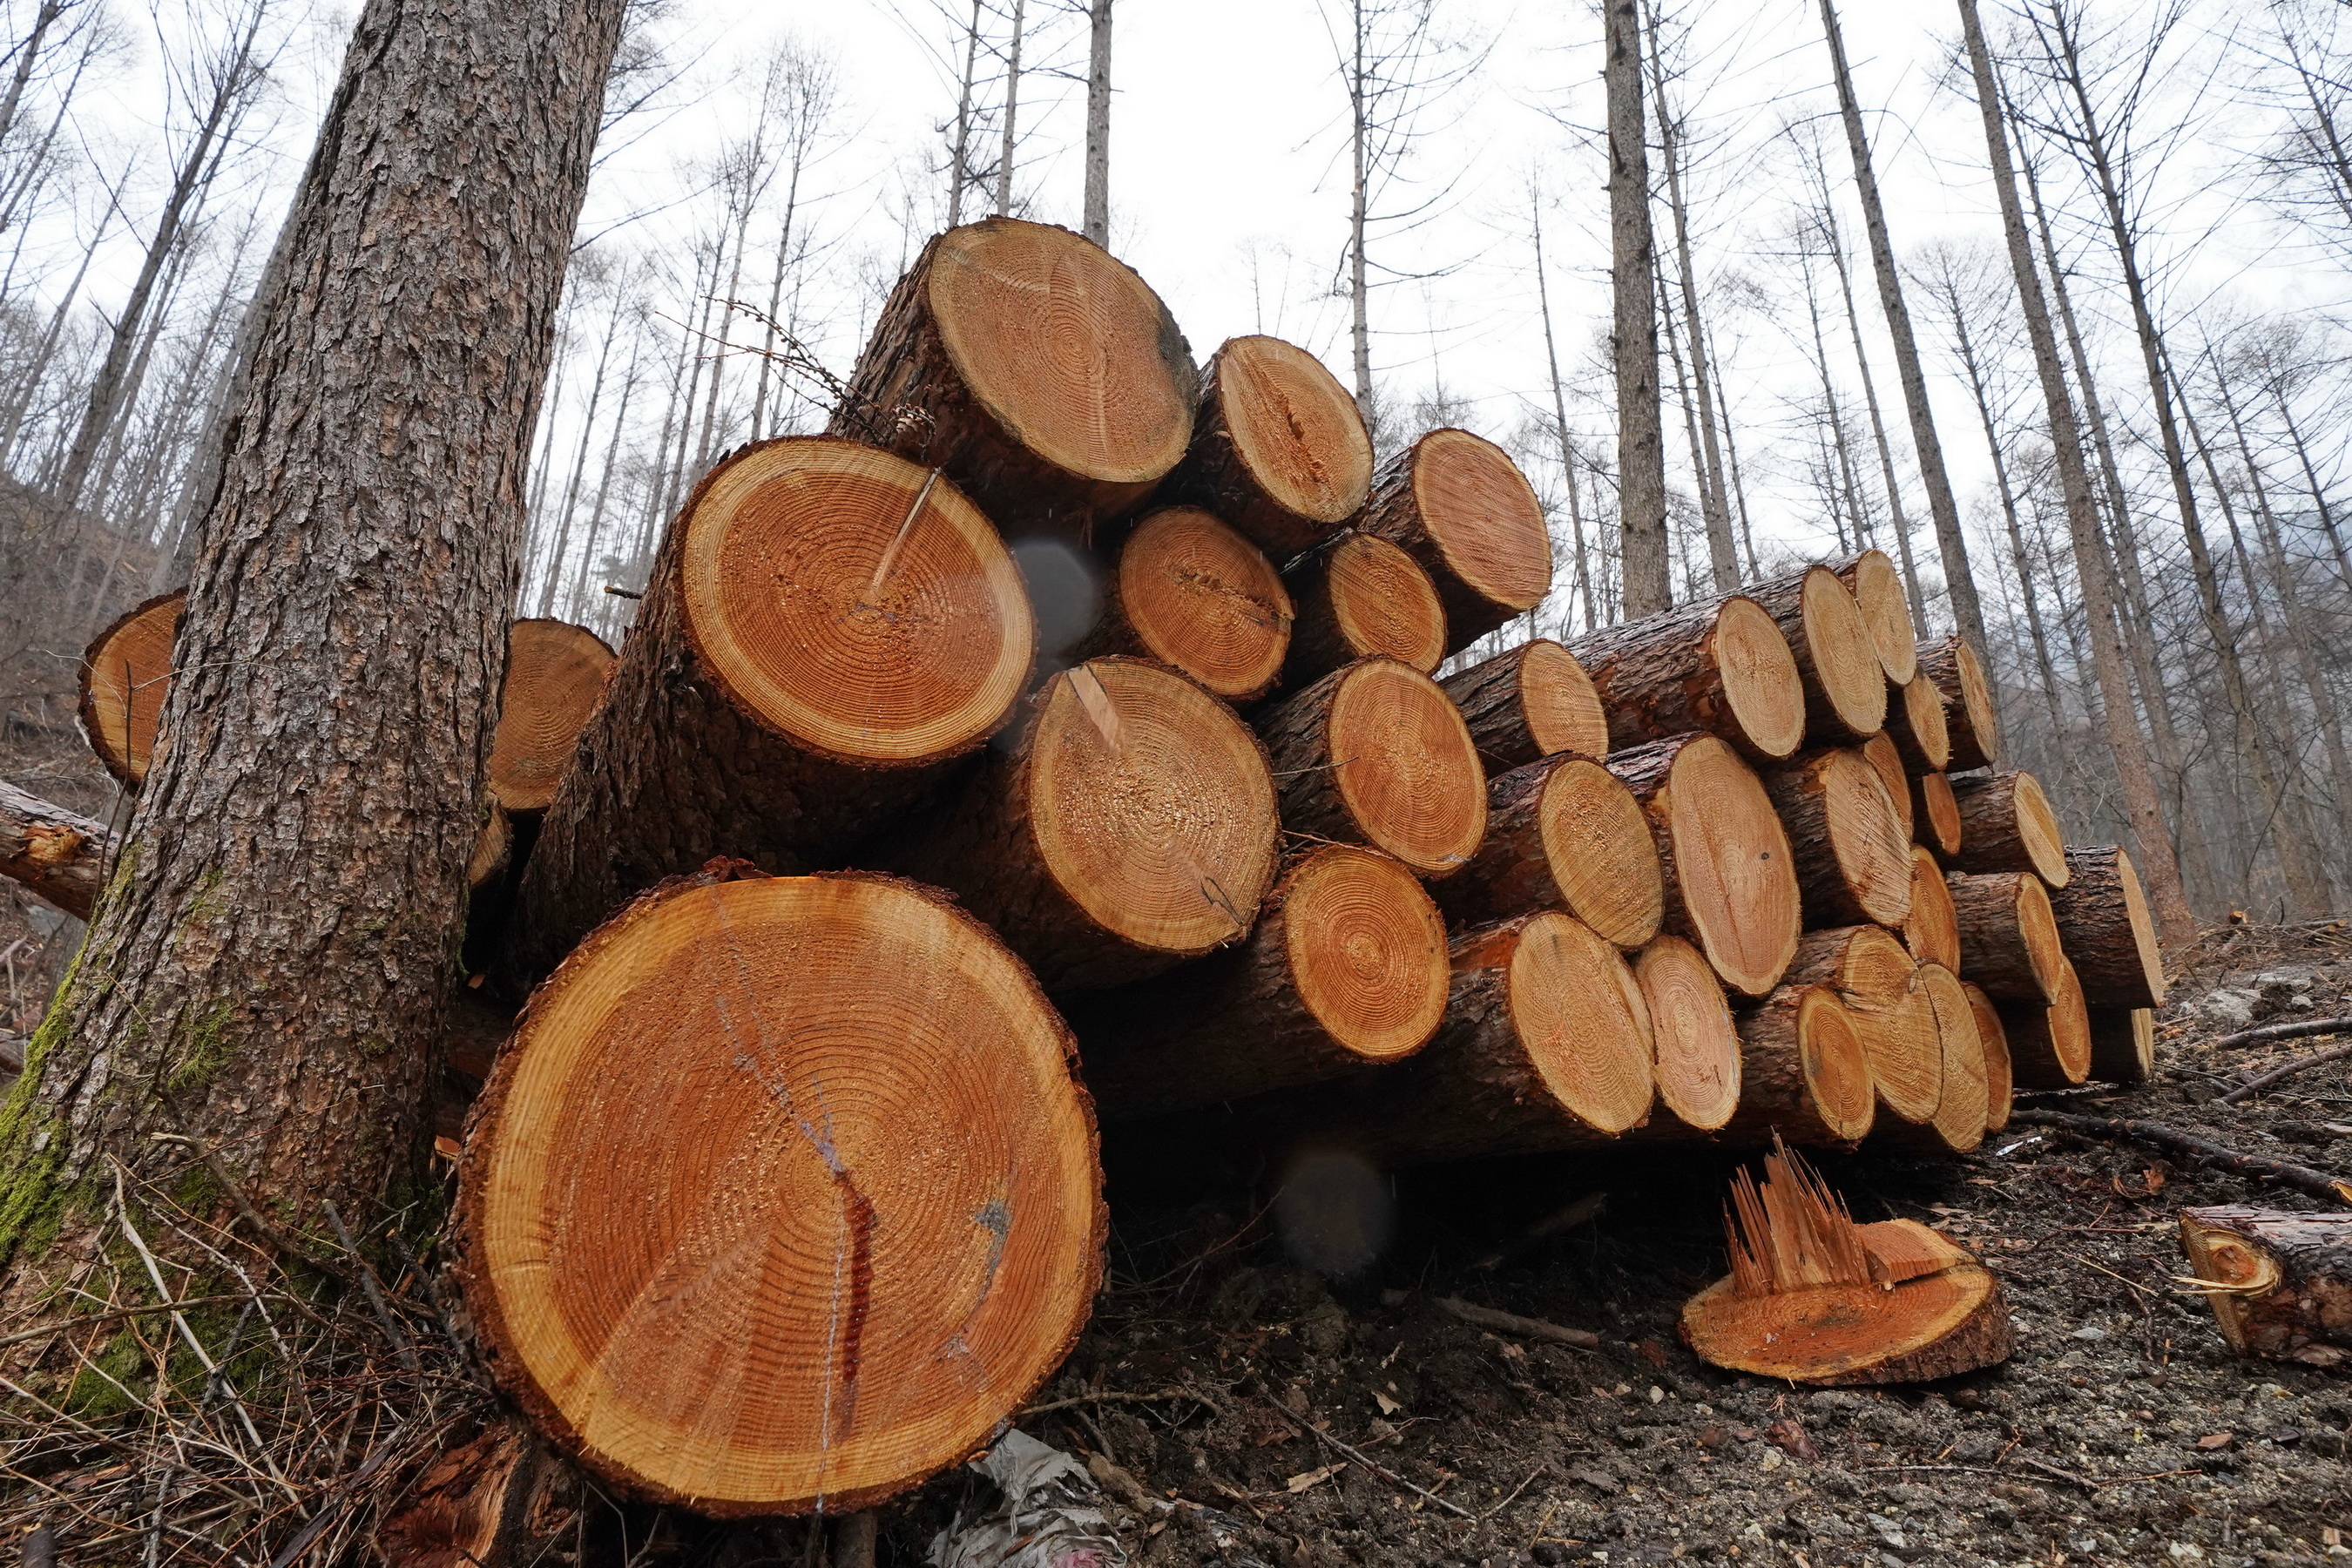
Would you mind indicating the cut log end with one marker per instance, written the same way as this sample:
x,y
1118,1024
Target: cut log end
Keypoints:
x,y
1734,880
1916,724
853,602
1294,429
1563,712
2007,824
1760,682
1931,931
1367,951
1879,983
1360,598
555,672
1463,510
1068,350
1848,683
2276,1280
125,673
1877,589
1580,1017
1963,1103
1936,815
1999,1080
2009,937
2050,1043
1604,861
847,1217
1853,860
1696,1058
1405,767
1203,599
1887,759
1967,696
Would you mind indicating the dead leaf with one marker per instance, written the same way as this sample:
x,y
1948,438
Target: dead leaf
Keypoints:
x,y
2214,1440
1790,1436
1305,1478
1651,1351
1388,1406
2153,1179
1714,1437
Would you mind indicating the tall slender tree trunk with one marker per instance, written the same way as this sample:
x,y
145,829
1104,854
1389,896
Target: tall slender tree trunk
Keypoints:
x,y
2144,808
1582,570
1011,116
1642,563
1967,615
268,968
561,548
1097,211
1731,456
1359,283
1833,413
28,56
960,153
2317,491
1897,522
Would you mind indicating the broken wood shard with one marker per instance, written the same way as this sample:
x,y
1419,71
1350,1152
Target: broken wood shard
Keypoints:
x,y
2280,1284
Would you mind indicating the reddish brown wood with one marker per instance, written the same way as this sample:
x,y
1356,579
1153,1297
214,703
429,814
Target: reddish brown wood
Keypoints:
x,y
1458,505
2108,930
1529,702
1721,667
1969,720
1278,448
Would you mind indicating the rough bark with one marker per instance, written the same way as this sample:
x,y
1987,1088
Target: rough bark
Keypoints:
x,y
1845,684
2281,1282
1098,192
270,974
1564,833
2009,939
1458,505
1357,596
1528,703
1279,449
61,854
2006,825
1646,585
1853,857
1970,730
2108,930
1723,667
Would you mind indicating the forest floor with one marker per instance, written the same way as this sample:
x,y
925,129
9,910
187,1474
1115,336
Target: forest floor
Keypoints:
x,y
2123,1430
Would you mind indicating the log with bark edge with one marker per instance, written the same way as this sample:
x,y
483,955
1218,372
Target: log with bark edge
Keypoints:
x,y
1730,878
1879,983
2103,921
1033,369
2123,1044
1805,1073
1970,723
2000,1082
1845,684
825,629
1278,449
1359,596
125,672
1880,752
555,673
1547,1044
1564,833
1128,827
1963,1105
1528,703
495,1501
1853,860
2280,1283
1376,753
845,1219
1936,815
61,854
1190,593
2007,824
1695,1060
2049,1044
1721,667
1815,1299
1877,589
1932,931
1915,722
1345,969
2009,938
1458,504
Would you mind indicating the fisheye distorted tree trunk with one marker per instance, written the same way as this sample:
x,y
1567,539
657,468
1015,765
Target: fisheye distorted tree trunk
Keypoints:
x,y
1640,439
268,970
2137,779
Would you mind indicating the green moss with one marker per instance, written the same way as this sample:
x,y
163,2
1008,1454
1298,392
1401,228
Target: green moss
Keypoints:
x,y
209,901
112,1382
207,1049
32,1145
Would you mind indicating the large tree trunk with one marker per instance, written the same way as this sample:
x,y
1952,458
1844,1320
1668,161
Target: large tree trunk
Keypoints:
x,y
773,703
1458,504
1346,970
1278,449
270,971
2104,923
1853,856
1723,667
1566,834
1049,422
1528,703
1355,597
1190,593
1845,683
1647,585
2280,1282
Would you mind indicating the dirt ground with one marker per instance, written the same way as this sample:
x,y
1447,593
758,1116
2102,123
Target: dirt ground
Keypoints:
x,y
2123,1430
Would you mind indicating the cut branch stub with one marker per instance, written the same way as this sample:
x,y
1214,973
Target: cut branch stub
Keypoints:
x,y
1879,983
1999,1082
2277,1281
1039,372
125,673
1805,1073
1376,753
1730,878
1458,504
1915,722
1877,590
2104,923
555,673
1845,684
1345,969
1528,703
1360,598
1853,860
61,854
825,629
1131,827
2050,1043
1278,448
1190,593
1564,833
844,1217
2009,939
1969,719
1931,931
1723,667
2007,824
1696,1056
2123,1044
1936,815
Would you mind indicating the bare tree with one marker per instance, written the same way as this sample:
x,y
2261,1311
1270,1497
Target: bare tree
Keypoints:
x,y
1646,585
1098,212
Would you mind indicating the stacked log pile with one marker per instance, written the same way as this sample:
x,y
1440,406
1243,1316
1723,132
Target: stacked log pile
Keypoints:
x,y
847,914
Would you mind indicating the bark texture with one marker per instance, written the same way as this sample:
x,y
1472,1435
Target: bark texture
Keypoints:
x,y
270,974
2282,1282
1528,703
2108,930
1660,676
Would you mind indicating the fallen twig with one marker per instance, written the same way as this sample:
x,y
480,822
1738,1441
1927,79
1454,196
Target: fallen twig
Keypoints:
x,y
1512,1323
2303,1030
2302,1178
1108,1397
1388,1475
83,1320
1515,1491
2256,1085
401,1348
